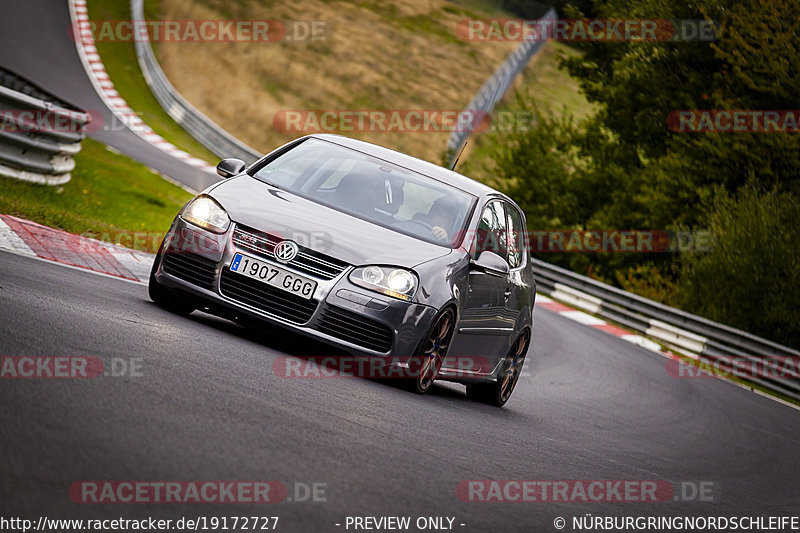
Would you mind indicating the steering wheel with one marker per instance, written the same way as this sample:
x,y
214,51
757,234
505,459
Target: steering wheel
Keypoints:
x,y
421,222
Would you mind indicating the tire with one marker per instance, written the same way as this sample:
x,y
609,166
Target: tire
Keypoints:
x,y
164,297
432,352
498,393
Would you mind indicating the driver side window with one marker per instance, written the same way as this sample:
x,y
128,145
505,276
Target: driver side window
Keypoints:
x,y
491,234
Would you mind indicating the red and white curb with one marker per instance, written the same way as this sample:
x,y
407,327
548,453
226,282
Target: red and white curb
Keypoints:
x,y
96,71
27,238
597,323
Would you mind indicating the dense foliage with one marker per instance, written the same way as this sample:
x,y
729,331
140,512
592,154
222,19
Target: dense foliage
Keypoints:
x,y
624,168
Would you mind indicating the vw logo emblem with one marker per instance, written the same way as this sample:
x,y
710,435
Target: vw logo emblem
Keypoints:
x,y
285,251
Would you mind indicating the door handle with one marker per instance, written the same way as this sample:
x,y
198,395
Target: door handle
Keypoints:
x,y
507,294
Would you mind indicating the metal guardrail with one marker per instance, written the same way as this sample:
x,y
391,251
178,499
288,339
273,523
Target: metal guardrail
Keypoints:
x,y
38,134
687,333
495,87
223,144
199,126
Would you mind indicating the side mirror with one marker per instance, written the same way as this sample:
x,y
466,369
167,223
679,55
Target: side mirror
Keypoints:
x,y
491,263
230,167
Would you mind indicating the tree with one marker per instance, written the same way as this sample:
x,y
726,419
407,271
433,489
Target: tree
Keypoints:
x,y
750,279
624,168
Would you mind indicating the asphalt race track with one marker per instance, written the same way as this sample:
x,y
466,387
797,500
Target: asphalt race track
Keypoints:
x,y
206,405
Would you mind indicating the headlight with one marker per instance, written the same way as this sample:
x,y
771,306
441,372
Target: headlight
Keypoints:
x,y
206,213
396,282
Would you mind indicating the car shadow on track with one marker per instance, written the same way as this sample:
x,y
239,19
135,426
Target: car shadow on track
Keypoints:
x,y
306,349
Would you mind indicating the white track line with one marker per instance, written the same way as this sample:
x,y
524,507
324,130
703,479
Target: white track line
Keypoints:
x,y
99,78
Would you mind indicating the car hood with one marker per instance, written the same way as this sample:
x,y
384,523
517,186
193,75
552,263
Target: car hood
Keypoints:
x,y
261,206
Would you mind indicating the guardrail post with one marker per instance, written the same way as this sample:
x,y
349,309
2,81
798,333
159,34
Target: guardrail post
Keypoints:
x,y
39,135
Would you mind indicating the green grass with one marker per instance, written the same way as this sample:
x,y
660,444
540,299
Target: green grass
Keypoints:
x,y
109,195
425,23
552,89
119,58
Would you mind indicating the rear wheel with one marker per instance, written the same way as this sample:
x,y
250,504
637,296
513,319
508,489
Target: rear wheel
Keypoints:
x,y
432,353
164,297
498,393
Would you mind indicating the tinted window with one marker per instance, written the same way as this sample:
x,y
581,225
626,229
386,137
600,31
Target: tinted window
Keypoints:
x,y
491,234
516,238
372,189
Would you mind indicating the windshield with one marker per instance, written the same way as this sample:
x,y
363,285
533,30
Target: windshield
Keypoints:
x,y
373,190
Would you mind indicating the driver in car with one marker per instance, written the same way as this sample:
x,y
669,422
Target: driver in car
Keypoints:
x,y
440,217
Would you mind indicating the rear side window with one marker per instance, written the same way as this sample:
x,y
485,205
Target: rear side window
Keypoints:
x,y
517,243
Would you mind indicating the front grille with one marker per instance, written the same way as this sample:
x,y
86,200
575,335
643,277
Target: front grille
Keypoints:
x,y
309,261
193,268
266,298
356,329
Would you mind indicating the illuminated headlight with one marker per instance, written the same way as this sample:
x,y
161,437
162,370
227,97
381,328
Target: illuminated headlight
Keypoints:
x,y
396,282
206,213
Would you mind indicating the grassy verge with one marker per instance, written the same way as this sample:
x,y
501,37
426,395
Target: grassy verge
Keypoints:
x,y
552,90
373,56
108,194
119,58
552,87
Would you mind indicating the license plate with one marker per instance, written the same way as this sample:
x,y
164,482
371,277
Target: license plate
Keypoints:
x,y
273,275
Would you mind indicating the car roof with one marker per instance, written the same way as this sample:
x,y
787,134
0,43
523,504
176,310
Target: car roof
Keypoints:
x,y
431,170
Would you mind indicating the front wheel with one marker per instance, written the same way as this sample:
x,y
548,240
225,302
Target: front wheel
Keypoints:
x,y
432,353
498,393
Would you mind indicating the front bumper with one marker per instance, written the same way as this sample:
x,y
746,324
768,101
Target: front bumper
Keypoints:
x,y
340,313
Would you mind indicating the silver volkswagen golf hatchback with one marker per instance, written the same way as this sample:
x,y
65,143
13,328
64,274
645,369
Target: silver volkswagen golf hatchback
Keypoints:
x,y
376,252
